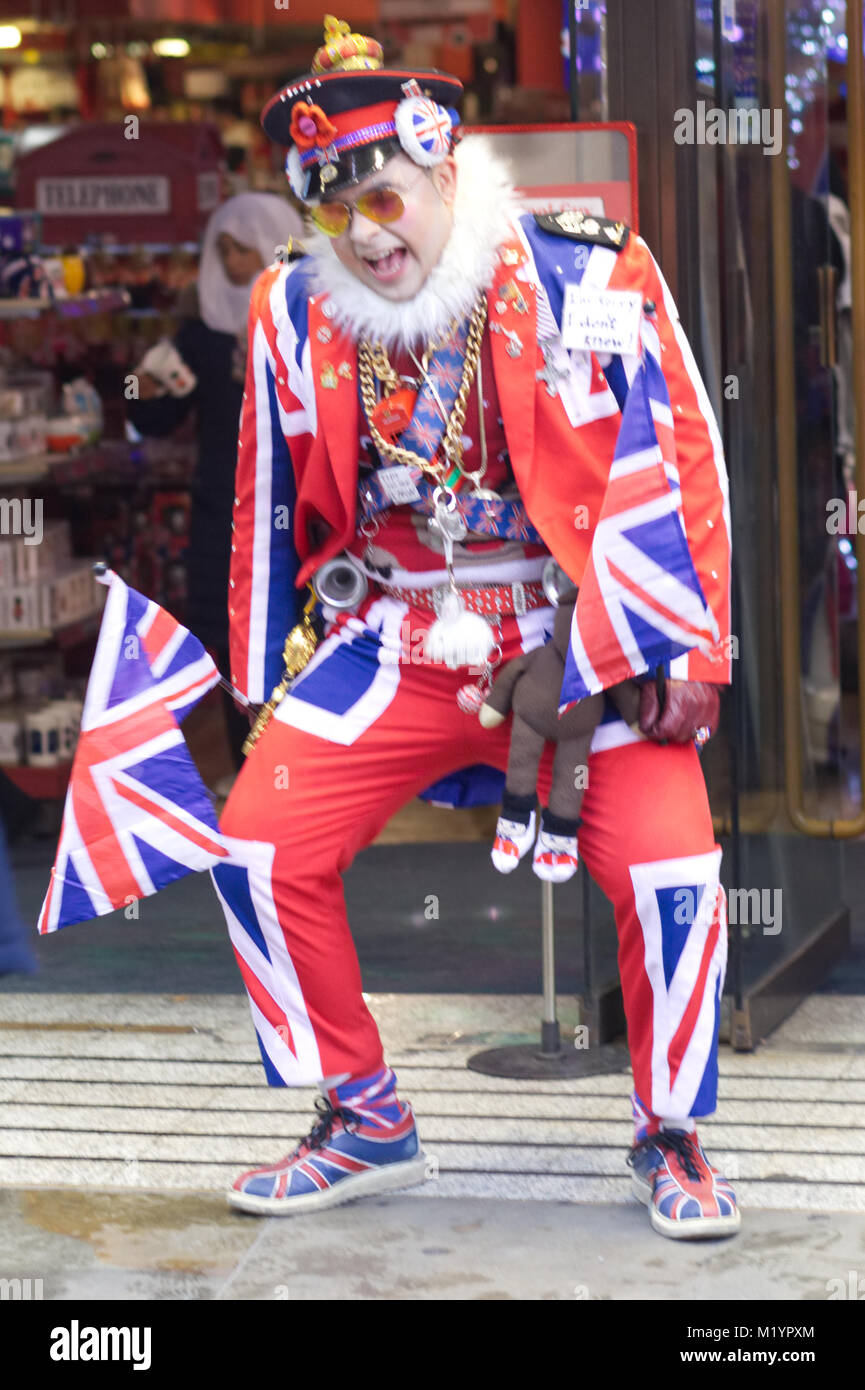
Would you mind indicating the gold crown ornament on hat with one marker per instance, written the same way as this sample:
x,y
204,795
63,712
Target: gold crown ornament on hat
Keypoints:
x,y
343,51
345,118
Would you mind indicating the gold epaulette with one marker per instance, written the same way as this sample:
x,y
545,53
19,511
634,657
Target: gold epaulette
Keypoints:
x,y
583,226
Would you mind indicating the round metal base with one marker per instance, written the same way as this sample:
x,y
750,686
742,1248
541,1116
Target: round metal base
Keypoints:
x,y
527,1062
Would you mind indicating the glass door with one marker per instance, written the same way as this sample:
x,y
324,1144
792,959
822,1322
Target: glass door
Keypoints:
x,y
758,223
784,777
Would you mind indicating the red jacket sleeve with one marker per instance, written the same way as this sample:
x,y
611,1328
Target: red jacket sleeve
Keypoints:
x,y
703,478
263,602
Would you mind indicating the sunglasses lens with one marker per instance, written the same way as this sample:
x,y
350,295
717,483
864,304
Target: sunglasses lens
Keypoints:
x,y
330,218
381,205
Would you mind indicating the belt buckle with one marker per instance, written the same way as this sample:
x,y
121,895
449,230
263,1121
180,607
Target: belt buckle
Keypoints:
x,y
518,592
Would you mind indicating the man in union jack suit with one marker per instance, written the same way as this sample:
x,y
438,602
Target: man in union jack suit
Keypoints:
x,y
441,396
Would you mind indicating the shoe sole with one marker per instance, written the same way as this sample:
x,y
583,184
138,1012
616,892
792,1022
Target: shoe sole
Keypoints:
x,y
707,1228
409,1173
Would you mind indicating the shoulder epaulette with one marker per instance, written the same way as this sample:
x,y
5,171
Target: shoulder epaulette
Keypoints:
x,y
582,226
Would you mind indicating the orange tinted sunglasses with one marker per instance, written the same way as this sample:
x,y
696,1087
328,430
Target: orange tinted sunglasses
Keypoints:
x,y
379,205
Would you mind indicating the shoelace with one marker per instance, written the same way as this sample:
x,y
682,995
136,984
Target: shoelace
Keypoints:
x,y
683,1145
322,1130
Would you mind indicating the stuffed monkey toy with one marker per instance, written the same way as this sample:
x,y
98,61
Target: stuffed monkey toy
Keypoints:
x,y
530,686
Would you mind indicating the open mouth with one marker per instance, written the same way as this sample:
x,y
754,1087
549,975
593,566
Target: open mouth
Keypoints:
x,y
389,266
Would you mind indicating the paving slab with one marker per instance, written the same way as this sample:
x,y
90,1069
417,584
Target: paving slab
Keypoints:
x,y
185,1245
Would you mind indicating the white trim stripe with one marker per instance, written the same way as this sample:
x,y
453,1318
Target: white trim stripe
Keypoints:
x,y
263,525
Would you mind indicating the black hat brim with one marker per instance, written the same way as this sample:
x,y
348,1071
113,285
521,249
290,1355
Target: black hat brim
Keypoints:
x,y
354,166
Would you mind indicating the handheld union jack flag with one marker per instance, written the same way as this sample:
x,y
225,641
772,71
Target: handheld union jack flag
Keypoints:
x,y
640,601
137,814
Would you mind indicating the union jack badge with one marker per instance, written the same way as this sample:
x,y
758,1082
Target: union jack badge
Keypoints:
x,y
424,130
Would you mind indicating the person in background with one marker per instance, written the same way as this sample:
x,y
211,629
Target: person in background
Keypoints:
x,y
17,815
16,953
204,369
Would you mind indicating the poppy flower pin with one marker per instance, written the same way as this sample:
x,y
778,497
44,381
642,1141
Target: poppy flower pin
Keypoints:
x,y
310,126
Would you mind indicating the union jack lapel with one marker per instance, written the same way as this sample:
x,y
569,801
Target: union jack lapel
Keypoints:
x,y
333,357
514,336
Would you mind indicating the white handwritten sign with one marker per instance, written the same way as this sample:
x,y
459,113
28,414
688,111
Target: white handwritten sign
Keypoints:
x,y
602,320
397,483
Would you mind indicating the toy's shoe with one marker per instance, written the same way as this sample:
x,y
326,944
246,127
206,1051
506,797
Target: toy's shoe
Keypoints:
x,y
556,859
512,843
687,1198
341,1158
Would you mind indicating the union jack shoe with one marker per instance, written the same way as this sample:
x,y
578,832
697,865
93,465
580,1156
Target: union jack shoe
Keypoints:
x,y
555,859
512,843
687,1198
341,1158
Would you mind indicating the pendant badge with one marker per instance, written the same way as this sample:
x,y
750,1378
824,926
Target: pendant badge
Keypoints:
x,y
393,414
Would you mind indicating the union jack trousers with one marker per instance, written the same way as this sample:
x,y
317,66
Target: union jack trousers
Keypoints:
x,y
345,750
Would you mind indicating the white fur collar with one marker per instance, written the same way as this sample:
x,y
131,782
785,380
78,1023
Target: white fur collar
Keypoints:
x,y
484,211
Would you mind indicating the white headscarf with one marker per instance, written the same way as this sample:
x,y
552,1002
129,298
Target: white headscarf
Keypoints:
x,y
262,220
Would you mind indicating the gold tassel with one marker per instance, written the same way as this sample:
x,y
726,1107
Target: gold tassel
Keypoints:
x,y
300,645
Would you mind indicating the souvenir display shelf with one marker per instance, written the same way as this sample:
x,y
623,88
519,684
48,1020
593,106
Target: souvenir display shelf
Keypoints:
x,y
69,306
82,298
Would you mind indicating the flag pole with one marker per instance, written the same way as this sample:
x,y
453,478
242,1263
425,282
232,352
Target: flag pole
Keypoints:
x,y
235,693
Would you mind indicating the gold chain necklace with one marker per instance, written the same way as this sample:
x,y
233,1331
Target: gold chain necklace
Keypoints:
x,y
373,361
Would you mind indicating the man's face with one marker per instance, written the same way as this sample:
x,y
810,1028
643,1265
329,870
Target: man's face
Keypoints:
x,y
395,258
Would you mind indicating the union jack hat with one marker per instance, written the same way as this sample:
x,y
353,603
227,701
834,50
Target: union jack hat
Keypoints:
x,y
347,117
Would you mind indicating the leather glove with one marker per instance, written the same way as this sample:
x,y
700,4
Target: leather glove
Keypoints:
x,y
688,706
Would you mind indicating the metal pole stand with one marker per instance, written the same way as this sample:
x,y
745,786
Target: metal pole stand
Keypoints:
x,y
525,1061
